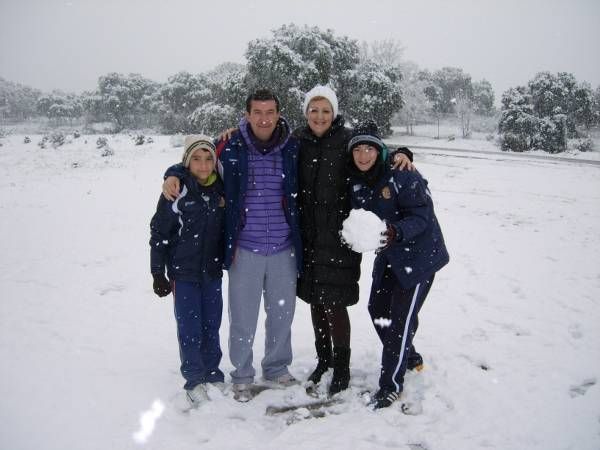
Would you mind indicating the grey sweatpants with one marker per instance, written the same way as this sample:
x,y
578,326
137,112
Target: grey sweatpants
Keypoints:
x,y
252,276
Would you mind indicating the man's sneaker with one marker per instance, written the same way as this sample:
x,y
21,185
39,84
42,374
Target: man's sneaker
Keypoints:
x,y
384,398
197,396
415,362
282,381
242,392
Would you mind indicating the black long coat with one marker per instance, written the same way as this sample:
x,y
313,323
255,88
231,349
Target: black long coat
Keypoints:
x,y
330,269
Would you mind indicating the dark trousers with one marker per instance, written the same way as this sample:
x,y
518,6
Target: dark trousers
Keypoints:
x,y
198,310
394,312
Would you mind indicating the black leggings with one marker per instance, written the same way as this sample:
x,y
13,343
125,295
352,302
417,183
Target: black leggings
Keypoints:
x,y
331,325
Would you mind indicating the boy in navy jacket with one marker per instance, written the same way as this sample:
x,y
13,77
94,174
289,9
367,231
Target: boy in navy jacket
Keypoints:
x,y
412,251
187,240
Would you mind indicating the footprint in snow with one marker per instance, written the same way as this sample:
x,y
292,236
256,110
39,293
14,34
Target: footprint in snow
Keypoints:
x,y
112,288
581,389
575,331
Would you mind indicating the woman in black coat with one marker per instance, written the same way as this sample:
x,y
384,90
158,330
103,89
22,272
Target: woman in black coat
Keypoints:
x,y
329,279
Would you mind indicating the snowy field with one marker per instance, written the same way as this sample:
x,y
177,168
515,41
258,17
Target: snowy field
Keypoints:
x,y
509,333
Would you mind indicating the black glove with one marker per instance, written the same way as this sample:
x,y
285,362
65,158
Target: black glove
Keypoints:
x,y
387,237
161,285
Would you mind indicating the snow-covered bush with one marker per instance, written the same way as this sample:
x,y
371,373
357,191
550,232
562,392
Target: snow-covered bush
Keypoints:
x,y
584,144
57,139
139,139
26,140
101,142
43,142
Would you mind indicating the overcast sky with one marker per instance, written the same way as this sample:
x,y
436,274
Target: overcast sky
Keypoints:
x,y
67,45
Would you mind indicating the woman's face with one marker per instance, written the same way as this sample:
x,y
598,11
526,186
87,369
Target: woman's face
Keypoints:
x,y
364,156
320,116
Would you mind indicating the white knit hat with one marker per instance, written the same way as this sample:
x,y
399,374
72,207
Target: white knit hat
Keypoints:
x,y
321,91
193,143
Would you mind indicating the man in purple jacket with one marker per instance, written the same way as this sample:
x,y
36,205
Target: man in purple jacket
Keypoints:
x,y
262,239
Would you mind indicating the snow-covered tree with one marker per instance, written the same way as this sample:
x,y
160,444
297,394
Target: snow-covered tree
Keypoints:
x,y
553,106
387,51
554,94
228,85
178,98
446,85
483,97
518,125
184,92
294,60
211,118
583,105
464,107
416,105
125,99
18,101
371,91
60,106
596,107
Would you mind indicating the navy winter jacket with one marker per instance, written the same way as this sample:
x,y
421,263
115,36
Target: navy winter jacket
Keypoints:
x,y
186,236
402,200
233,157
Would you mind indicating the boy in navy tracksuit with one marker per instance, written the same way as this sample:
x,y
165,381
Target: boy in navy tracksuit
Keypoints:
x,y
412,251
187,239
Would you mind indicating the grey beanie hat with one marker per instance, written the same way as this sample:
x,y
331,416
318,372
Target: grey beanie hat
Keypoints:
x,y
194,142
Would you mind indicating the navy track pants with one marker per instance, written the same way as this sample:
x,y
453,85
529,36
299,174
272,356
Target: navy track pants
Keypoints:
x,y
198,311
394,313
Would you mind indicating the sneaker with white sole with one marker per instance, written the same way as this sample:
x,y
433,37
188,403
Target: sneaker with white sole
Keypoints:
x,y
197,396
384,398
282,381
242,392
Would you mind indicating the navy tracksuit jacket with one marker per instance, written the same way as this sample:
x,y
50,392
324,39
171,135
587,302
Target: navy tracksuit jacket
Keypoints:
x,y
187,240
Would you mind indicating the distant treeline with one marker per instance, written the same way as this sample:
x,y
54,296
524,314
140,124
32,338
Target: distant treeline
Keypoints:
x,y
371,79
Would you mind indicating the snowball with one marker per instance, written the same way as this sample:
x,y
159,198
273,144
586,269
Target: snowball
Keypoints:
x,y
382,322
362,230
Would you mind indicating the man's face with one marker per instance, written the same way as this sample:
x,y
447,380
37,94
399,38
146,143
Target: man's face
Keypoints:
x,y
364,156
263,117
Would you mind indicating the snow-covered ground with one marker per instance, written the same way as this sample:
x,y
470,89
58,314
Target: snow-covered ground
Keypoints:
x,y
509,333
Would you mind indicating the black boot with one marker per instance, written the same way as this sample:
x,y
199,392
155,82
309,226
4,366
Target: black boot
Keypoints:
x,y
341,370
324,362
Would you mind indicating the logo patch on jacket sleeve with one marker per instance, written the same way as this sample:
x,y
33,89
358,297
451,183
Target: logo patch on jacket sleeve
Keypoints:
x,y
221,202
386,193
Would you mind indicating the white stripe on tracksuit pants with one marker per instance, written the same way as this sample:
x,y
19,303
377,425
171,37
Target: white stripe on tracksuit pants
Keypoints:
x,y
394,312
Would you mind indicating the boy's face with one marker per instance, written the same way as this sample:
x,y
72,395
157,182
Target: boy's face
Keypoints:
x,y
364,156
263,118
202,164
